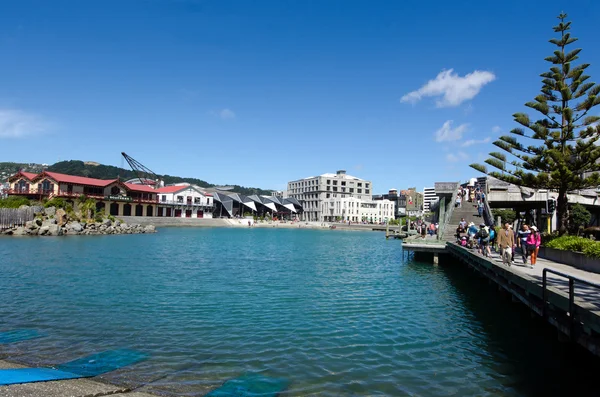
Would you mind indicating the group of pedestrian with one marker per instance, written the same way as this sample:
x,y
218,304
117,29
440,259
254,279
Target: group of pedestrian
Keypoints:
x,y
528,240
471,236
472,194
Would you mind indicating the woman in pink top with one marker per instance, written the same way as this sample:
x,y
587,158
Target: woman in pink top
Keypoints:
x,y
533,244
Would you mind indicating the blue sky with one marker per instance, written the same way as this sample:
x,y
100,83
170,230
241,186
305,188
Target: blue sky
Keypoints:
x,y
259,93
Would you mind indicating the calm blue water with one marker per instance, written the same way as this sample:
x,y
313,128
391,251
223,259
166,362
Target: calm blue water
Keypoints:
x,y
338,313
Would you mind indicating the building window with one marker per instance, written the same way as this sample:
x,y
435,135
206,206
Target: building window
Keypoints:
x,y
335,188
343,183
359,190
366,185
329,181
196,200
328,188
359,184
180,199
328,195
163,198
351,190
367,191
335,183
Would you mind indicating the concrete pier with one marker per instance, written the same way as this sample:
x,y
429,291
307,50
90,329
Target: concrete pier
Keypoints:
x,y
577,320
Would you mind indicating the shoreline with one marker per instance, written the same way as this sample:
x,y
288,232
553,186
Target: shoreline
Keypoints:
x,y
159,222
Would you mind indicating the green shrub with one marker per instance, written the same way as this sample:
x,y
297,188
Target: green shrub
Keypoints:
x,y
57,202
592,251
14,202
570,243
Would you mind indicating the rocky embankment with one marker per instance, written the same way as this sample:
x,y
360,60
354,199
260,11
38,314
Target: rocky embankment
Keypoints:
x,y
55,222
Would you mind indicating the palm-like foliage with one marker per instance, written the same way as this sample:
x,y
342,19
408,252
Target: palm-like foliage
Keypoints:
x,y
559,151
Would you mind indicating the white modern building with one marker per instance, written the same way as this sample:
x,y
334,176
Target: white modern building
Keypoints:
x,y
184,201
429,198
356,210
311,192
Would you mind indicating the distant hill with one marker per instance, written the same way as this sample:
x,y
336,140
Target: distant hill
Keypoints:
x,y
94,170
8,169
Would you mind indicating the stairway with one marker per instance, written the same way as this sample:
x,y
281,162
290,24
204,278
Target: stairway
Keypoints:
x,y
469,212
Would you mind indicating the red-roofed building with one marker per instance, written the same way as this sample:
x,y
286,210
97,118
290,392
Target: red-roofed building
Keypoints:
x,y
112,195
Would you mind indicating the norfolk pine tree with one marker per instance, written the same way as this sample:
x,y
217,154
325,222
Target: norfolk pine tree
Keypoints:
x,y
555,151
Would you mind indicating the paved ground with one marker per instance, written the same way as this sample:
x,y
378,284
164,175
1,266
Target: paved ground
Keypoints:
x,y
582,291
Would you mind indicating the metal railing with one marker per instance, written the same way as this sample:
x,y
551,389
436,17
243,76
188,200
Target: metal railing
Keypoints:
x,y
572,280
449,211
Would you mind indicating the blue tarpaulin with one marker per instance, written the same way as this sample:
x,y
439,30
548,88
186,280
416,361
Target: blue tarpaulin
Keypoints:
x,y
251,385
18,335
94,365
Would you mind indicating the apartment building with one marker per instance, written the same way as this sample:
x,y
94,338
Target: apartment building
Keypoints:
x,y
429,198
313,191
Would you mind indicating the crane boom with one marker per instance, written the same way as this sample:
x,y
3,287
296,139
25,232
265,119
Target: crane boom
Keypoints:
x,y
144,174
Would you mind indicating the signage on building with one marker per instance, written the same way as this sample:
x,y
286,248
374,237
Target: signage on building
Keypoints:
x,y
118,198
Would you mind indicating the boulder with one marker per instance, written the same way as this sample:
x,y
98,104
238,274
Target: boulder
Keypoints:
x,y
117,223
24,207
150,229
20,231
54,230
61,216
49,222
74,227
42,231
31,225
124,226
106,222
50,211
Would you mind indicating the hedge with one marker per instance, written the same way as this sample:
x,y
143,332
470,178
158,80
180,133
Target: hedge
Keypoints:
x,y
588,247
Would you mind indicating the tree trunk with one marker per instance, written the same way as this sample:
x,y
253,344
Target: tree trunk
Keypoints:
x,y
562,212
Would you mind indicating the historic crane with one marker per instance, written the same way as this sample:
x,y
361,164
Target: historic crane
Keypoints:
x,y
145,175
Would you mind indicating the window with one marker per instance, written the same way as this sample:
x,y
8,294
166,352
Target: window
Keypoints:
x,y
196,200
351,190
163,198
359,184
343,183
366,185
359,190
328,195
328,188
329,181
335,183
180,199
335,188
367,191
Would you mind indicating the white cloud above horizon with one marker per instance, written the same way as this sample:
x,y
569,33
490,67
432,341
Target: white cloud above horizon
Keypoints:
x,y
447,133
17,124
223,114
496,129
455,157
471,142
453,88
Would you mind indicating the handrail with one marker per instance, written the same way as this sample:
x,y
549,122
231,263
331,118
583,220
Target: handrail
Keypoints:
x,y
572,280
449,212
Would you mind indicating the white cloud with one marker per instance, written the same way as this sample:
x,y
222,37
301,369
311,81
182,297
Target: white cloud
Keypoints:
x,y
496,129
472,142
447,133
460,156
453,88
19,124
225,114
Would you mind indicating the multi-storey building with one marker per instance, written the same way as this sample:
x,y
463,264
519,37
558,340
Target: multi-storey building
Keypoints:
x,y
414,201
356,210
429,198
311,192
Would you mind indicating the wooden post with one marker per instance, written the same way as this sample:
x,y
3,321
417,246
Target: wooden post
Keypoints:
x,y
436,259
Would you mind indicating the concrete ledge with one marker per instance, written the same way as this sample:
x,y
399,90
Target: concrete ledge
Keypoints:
x,y
575,259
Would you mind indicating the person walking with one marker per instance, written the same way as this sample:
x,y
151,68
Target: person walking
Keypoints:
x,y
506,241
522,241
534,240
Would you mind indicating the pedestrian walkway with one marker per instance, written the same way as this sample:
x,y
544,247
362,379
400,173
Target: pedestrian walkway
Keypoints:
x,y
583,292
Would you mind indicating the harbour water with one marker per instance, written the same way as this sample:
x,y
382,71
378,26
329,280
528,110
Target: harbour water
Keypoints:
x,y
337,313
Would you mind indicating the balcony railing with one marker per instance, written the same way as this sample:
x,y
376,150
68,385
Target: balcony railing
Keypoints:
x,y
184,203
67,194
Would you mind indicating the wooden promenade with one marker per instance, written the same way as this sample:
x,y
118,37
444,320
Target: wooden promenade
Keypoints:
x,y
570,300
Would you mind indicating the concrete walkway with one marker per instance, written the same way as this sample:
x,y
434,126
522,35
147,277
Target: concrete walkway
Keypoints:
x,y
584,292
65,388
